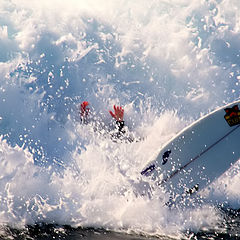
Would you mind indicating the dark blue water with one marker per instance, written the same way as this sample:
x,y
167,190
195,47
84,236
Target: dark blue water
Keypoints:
x,y
227,229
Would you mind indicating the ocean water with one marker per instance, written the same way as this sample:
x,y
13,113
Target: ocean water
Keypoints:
x,y
167,62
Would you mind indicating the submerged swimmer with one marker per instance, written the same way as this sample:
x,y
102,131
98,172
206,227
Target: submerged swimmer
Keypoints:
x,y
120,132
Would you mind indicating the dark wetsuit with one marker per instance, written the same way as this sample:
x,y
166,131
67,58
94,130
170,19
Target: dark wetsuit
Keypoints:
x,y
121,134
118,134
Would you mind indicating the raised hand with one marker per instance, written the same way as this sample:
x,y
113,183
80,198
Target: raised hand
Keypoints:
x,y
84,111
118,113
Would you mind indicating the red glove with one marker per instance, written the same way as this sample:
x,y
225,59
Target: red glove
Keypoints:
x,y
118,113
84,109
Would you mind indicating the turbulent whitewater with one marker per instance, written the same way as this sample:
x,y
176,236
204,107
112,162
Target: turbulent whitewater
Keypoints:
x,y
167,62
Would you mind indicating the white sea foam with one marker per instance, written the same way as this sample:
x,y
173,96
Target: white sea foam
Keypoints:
x,y
167,62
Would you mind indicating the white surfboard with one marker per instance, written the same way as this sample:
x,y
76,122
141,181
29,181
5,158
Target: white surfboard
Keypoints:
x,y
199,154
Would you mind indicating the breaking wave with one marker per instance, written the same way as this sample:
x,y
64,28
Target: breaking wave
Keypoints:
x,y
166,62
